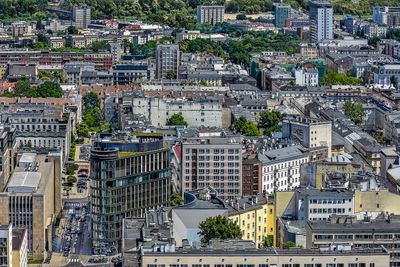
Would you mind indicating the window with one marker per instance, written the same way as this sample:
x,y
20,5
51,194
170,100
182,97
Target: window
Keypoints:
x,y
352,265
263,265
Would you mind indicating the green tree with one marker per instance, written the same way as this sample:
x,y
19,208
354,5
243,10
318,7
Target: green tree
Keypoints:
x,y
93,117
105,127
99,46
354,111
334,78
245,127
219,227
49,89
249,129
177,119
269,241
171,74
288,244
82,130
176,200
23,88
269,120
91,100
71,179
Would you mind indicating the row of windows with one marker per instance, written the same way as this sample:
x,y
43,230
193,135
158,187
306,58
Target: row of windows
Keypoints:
x,y
215,151
268,265
339,210
329,201
285,165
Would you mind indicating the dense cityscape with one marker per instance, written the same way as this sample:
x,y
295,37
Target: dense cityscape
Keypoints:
x,y
181,133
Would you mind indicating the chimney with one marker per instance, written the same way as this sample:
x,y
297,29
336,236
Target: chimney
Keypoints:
x,y
244,206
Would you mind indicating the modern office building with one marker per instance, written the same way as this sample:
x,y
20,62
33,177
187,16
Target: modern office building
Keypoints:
x,y
311,133
282,13
210,14
212,160
359,234
32,199
167,61
81,16
267,257
130,174
321,21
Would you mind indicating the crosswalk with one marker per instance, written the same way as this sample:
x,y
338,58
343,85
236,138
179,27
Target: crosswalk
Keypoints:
x,y
73,260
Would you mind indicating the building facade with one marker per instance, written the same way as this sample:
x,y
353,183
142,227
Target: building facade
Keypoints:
x,y
129,175
321,21
214,161
32,199
281,168
252,176
81,16
282,13
256,217
310,133
210,14
359,234
167,61
265,257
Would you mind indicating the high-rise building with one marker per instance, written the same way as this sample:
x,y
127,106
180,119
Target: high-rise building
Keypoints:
x,y
81,16
212,161
32,199
282,13
130,174
167,61
321,21
210,14
6,245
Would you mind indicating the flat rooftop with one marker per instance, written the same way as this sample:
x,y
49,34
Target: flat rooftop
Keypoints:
x,y
282,154
32,180
265,252
24,182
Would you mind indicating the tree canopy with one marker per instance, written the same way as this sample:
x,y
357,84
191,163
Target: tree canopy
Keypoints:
x,y
177,119
91,100
82,130
269,120
245,127
23,88
219,227
354,111
176,200
49,89
333,78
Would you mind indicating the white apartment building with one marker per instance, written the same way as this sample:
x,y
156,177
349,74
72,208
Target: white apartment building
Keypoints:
x,y
281,168
306,77
320,204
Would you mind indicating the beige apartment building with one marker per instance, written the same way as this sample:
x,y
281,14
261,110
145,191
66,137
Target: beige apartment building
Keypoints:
x,y
32,199
266,258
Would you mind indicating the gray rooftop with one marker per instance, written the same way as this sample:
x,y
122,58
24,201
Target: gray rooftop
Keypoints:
x,y
282,154
24,182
